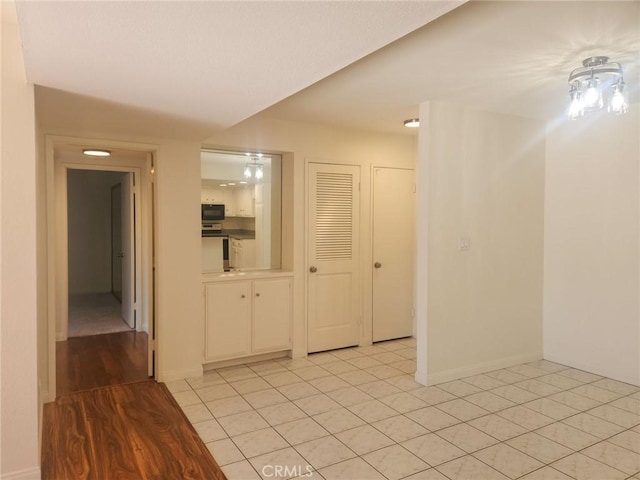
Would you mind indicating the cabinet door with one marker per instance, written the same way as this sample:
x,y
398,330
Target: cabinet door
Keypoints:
x,y
248,202
229,204
244,202
271,314
247,256
228,320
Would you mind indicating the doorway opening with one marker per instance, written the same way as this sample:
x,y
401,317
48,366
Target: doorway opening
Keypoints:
x,y
101,219
98,238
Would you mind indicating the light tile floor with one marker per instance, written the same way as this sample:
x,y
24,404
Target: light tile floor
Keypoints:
x,y
357,414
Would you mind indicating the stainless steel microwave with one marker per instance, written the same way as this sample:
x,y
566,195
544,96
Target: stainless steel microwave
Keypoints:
x,y
212,212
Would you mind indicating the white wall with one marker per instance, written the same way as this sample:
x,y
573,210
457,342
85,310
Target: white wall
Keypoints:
x,y
179,296
591,265
179,312
307,142
19,412
484,175
89,217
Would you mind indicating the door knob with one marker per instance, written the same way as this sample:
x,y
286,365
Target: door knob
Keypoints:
x,y
377,265
257,294
242,296
313,269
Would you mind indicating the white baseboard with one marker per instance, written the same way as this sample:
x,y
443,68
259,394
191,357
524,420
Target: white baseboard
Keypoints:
x,y
28,474
478,368
597,369
173,375
421,377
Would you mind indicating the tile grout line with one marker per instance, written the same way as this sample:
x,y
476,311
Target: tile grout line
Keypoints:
x,y
292,369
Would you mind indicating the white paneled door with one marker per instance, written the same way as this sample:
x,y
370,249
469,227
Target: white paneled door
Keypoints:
x,y
333,256
393,253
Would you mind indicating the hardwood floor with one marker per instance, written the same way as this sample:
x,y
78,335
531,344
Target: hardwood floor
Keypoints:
x,y
134,431
84,363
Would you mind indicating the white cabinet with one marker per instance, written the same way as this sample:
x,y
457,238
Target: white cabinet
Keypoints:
x,y
242,253
228,320
244,202
247,317
271,315
229,204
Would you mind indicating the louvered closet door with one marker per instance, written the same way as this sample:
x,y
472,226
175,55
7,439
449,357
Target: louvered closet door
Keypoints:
x,y
333,233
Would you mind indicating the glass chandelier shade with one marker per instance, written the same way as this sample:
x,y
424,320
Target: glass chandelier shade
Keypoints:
x,y
596,84
253,170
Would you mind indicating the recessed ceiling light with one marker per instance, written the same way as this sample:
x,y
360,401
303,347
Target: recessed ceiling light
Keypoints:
x,y
96,153
242,183
223,184
231,184
412,123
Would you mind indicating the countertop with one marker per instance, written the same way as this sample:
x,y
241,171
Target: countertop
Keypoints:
x,y
237,234
211,277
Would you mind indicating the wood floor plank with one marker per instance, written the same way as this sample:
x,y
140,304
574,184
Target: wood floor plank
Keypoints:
x,y
73,440
133,431
167,429
108,434
84,363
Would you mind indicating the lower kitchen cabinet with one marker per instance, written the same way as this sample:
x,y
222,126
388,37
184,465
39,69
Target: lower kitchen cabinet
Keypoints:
x,y
228,320
247,317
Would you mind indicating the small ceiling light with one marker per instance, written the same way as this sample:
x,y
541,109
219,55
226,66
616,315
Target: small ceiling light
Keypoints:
x,y
96,153
223,184
412,123
597,82
242,183
231,184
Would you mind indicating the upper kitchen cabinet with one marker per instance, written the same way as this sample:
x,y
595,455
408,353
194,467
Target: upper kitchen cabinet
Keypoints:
x,y
244,201
249,185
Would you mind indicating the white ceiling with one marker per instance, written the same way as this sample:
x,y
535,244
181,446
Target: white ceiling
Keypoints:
x,y
186,69
214,63
508,57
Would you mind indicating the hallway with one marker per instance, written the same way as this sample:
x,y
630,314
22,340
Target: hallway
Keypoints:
x,y
95,314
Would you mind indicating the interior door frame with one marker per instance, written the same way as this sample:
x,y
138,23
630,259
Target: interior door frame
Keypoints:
x,y
62,167
117,186
57,241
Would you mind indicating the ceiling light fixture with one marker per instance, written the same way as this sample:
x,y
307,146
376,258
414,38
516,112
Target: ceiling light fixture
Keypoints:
x,y
254,170
595,84
92,152
412,123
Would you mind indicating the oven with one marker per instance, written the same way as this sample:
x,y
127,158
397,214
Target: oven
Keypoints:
x,y
212,229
